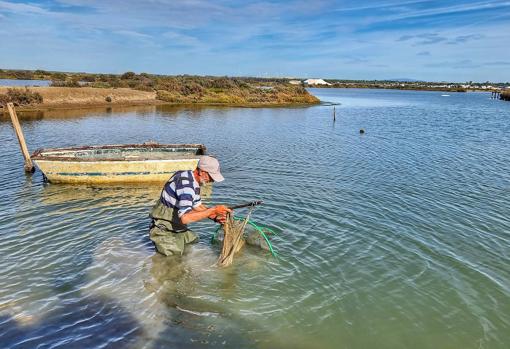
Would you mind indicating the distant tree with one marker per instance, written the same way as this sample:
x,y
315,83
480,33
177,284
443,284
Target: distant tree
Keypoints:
x,y
88,78
23,74
128,75
58,76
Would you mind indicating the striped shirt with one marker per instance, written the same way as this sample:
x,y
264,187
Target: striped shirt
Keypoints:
x,y
181,192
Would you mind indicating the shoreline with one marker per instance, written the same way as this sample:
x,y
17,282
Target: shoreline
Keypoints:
x,y
402,89
445,89
156,102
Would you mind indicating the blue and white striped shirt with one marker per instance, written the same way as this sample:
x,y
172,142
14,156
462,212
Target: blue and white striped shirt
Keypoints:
x,y
182,192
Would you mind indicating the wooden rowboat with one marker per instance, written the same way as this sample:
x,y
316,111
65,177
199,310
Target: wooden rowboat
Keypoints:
x,y
131,163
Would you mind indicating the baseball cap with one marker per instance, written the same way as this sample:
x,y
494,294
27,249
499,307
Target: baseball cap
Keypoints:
x,y
211,166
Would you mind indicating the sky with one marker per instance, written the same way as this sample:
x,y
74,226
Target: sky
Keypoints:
x,y
386,39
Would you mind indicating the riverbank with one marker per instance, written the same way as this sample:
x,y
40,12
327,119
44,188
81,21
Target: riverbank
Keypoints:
x,y
85,89
85,97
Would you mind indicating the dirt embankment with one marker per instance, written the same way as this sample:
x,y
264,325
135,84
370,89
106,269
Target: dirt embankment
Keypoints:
x,y
72,97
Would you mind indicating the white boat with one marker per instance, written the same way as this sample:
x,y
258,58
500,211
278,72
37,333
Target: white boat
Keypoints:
x,y
124,163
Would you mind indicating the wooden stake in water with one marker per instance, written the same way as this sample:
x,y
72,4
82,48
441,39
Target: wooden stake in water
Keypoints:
x,y
334,114
29,167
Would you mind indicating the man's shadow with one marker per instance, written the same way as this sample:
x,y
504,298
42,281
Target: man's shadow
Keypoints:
x,y
89,322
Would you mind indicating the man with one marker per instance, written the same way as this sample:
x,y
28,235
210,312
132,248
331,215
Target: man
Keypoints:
x,y
180,204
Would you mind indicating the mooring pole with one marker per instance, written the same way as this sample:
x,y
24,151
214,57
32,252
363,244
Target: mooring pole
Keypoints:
x,y
29,167
334,114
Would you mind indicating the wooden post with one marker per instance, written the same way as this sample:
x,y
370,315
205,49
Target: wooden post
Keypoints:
x,y
29,167
334,114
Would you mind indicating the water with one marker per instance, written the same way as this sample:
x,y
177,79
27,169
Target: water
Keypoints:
x,y
18,83
396,238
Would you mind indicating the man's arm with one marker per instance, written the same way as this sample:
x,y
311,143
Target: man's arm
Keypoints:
x,y
201,212
200,207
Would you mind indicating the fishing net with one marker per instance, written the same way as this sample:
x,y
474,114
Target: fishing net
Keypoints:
x,y
233,240
235,235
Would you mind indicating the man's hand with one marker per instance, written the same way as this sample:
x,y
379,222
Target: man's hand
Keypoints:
x,y
221,210
220,215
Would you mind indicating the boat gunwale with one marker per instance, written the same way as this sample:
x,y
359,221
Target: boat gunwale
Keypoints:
x,y
39,153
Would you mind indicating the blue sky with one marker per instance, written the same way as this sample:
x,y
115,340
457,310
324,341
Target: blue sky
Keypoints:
x,y
428,40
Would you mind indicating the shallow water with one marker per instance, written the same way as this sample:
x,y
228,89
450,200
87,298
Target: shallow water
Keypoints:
x,y
17,83
396,238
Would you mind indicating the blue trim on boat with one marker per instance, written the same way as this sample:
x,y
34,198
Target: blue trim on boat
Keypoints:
x,y
97,174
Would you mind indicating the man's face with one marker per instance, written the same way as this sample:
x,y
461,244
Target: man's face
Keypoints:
x,y
204,177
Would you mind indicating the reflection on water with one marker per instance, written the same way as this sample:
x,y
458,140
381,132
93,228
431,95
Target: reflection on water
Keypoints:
x,y
62,195
393,239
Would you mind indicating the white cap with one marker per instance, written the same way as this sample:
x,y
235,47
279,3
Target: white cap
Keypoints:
x,y
211,166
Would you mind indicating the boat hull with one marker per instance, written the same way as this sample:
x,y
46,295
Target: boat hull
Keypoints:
x,y
113,171
126,169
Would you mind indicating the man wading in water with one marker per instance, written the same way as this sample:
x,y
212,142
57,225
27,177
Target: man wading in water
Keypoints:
x,y
180,204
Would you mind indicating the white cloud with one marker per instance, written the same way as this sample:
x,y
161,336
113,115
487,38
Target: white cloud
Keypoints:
x,y
132,34
20,8
449,10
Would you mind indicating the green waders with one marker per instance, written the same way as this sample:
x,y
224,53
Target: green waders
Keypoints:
x,y
167,232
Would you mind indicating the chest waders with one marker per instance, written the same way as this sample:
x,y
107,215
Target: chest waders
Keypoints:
x,y
167,232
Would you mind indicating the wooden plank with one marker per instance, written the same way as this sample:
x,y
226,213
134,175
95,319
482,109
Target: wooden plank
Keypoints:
x,y
29,167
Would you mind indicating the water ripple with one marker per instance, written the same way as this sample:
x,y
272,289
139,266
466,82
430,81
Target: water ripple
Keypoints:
x,y
394,238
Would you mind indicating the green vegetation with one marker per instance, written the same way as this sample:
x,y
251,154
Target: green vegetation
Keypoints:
x,y
184,89
214,90
20,97
23,74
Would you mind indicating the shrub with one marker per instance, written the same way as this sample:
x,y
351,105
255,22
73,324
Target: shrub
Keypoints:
x,y
100,84
128,75
168,96
192,88
21,97
58,76
65,83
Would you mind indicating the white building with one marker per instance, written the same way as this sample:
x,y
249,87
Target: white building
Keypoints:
x,y
316,82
